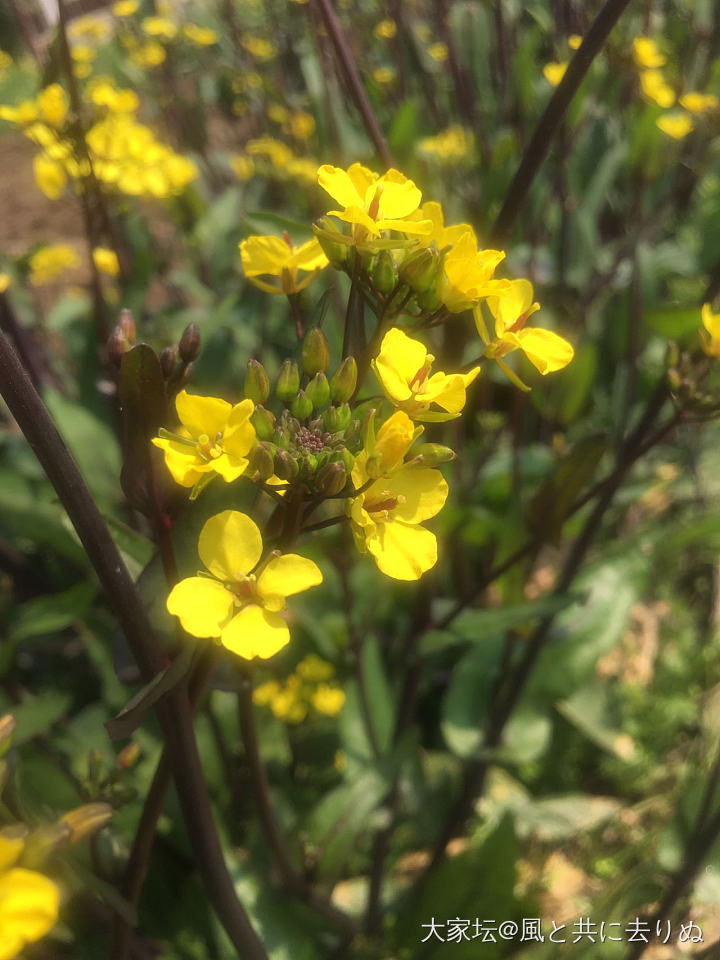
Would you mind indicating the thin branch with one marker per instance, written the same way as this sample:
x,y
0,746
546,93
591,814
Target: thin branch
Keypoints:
x,y
349,70
549,122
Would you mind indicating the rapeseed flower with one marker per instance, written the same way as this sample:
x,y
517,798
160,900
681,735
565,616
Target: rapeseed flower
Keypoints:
x,y
403,369
200,36
29,901
710,336
277,257
241,600
386,517
214,438
468,273
48,263
554,72
372,202
438,51
385,29
106,261
675,125
656,89
646,54
511,305
698,103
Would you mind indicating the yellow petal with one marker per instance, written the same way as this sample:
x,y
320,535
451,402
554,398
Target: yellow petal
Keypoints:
x,y
423,490
182,461
309,256
399,195
229,468
239,435
402,551
286,575
202,414
203,605
400,359
514,298
264,255
29,905
421,228
255,632
230,545
392,441
544,349
447,390
711,321
339,185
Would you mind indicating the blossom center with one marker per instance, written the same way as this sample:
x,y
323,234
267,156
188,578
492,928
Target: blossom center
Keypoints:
x,y
209,449
244,588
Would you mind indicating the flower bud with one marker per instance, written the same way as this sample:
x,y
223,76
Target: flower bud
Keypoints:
x,y
285,466
302,406
117,346
384,274
337,419
264,422
288,382
419,270
257,382
348,459
318,391
189,346
315,352
128,756
432,454
7,728
168,359
262,459
331,478
344,381
429,300
335,252
126,324
87,820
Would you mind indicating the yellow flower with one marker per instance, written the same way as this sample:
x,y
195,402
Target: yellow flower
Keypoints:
x,y
554,72
150,54
699,102
710,340
215,438
29,901
646,54
302,125
23,114
50,175
386,518
243,167
259,48
276,257
655,88
103,94
675,125
125,8
384,74
277,113
438,51
106,261
82,54
375,203
451,144
511,306
303,169
403,368
240,606
279,153
49,262
574,41
328,699
5,282
159,27
385,30
313,668
468,273
200,36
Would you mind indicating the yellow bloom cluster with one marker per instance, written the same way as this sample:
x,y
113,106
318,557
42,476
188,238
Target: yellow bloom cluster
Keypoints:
x,y
120,152
449,145
275,159
309,689
48,263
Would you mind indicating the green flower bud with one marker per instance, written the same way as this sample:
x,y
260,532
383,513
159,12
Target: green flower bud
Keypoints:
x,y
337,419
86,820
331,478
384,273
189,346
318,391
344,381
428,300
335,252
43,843
117,346
315,352
285,466
264,423
257,382
288,382
348,459
419,270
302,406
262,459
432,454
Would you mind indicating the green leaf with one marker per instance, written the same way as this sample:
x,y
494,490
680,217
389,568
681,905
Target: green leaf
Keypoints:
x,y
674,323
131,716
466,702
35,715
50,614
378,692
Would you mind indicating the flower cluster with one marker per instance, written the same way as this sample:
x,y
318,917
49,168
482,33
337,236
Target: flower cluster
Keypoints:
x,y
309,690
117,150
